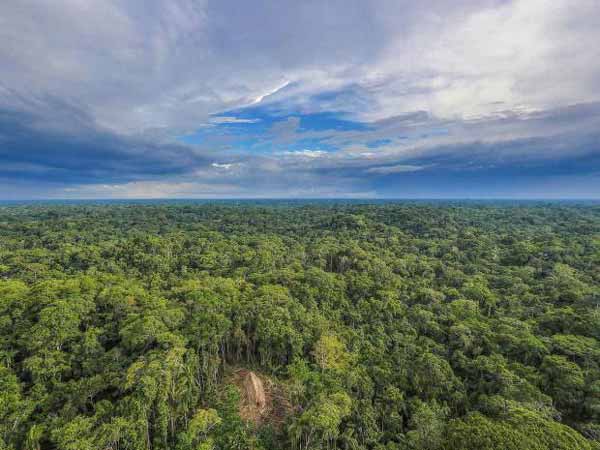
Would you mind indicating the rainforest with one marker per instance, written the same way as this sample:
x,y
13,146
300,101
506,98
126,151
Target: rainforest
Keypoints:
x,y
300,325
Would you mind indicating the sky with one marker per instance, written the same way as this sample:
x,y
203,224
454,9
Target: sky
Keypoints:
x,y
299,99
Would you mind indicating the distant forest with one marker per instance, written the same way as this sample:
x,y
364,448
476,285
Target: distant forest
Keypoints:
x,y
388,326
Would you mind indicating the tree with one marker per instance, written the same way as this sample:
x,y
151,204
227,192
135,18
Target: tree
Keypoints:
x,y
330,353
320,423
428,425
522,430
563,381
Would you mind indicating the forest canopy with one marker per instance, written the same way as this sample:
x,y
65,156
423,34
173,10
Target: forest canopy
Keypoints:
x,y
388,326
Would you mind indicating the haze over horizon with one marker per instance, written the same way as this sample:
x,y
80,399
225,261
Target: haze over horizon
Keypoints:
x,y
287,99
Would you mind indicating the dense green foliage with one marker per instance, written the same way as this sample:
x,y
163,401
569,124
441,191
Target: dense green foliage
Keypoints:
x,y
391,326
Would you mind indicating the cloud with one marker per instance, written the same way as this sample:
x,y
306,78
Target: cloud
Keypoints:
x,y
77,152
150,190
169,66
222,166
343,97
306,153
398,168
226,119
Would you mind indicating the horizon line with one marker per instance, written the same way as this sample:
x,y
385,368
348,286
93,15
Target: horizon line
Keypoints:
x,y
141,199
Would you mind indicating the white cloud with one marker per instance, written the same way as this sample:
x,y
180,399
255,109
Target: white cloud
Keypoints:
x,y
398,168
311,154
522,55
270,92
150,190
222,166
225,119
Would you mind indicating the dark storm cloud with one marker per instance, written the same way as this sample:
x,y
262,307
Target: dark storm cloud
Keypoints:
x,y
68,149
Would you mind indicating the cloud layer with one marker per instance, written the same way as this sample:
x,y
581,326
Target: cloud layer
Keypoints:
x,y
202,98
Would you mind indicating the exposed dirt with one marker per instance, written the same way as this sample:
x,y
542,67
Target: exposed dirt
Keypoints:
x,y
255,392
262,400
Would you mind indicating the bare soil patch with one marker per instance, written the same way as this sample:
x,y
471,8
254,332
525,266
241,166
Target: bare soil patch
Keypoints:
x,y
262,401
